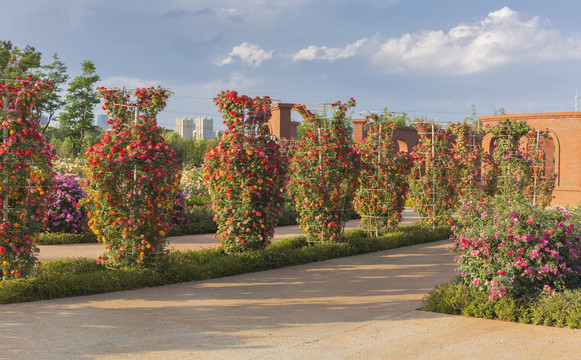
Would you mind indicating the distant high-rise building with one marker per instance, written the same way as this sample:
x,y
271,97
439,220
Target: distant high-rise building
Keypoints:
x,y
185,127
102,121
204,128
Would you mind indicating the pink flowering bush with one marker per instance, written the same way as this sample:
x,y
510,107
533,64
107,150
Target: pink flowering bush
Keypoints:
x,y
65,213
245,174
324,172
516,249
25,175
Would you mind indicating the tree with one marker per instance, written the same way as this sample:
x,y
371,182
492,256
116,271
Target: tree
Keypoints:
x,y
473,119
15,62
499,110
56,74
77,116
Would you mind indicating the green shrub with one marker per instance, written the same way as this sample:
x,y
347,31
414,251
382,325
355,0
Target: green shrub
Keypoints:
x,y
66,238
561,309
199,219
81,276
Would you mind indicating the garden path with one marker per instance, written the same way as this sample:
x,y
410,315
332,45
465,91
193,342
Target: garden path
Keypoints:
x,y
186,242
359,307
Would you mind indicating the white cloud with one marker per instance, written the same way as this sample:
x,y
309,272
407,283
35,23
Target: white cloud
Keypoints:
x,y
328,54
250,54
504,37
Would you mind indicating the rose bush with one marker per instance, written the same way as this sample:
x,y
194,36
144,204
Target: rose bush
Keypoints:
x,y
510,247
433,181
245,174
382,187
518,155
541,179
25,175
132,180
468,159
323,174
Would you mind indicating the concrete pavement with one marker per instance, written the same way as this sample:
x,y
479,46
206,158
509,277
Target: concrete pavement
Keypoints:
x,y
359,307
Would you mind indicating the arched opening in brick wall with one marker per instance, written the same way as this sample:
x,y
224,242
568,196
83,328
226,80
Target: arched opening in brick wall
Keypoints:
x,y
401,146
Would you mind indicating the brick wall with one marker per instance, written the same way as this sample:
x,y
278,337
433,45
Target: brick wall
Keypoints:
x,y
565,128
404,137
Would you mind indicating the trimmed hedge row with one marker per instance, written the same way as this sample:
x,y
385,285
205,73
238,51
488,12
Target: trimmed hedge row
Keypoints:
x,y
81,276
66,238
561,309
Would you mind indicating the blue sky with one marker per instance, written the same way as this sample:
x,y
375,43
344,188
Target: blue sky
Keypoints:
x,y
428,58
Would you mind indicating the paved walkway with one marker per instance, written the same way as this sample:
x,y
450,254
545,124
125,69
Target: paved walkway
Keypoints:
x,y
91,251
359,307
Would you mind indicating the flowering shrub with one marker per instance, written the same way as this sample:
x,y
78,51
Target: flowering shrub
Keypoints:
x,y
516,248
540,185
518,155
381,193
468,158
245,174
324,172
433,181
65,213
192,182
26,178
132,180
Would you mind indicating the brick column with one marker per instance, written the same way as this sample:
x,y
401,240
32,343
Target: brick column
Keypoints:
x,y
358,130
280,122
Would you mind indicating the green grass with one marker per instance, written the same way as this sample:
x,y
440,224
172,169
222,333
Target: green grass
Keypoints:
x,y
81,276
562,309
